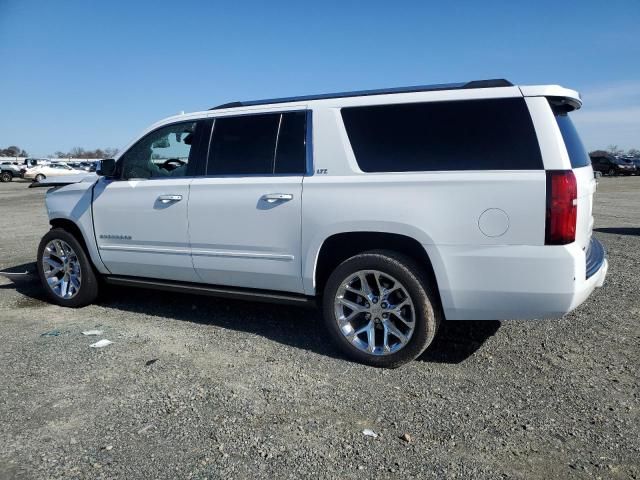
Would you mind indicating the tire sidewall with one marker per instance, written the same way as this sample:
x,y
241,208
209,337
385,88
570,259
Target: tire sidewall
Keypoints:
x,y
89,284
413,279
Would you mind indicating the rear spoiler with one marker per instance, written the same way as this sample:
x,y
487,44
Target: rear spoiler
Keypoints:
x,y
558,96
64,180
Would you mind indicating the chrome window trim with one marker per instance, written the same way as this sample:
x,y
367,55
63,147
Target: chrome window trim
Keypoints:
x,y
308,145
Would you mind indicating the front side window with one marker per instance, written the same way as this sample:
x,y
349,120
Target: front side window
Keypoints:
x,y
162,153
492,134
263,144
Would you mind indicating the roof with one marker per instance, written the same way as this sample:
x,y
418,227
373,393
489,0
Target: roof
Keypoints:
x,y
492,83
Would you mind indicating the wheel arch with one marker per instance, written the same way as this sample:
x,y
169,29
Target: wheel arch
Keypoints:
x,y
89,246
340,246
71,227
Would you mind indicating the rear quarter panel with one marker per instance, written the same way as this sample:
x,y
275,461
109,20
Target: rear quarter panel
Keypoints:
x,y
435,208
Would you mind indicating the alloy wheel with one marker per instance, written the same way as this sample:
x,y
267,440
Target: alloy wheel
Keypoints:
x,y
374,312
61,268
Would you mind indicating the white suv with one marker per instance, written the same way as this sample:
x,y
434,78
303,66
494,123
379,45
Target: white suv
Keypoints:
x,y
398,208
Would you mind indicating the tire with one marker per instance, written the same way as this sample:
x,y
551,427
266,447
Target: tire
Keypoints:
x,y
423,304
76,296
39,177
6,177
611,172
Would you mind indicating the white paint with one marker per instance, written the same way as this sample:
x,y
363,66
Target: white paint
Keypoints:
x,y
483,230
493,222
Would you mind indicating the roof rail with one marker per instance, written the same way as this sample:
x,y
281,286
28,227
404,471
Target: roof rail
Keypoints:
x,y
500,82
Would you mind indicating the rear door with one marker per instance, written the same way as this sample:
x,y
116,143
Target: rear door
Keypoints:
x,y
245,213
140,218
586,183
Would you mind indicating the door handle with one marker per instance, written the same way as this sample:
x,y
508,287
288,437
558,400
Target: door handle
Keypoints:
x,y
169,198
277,197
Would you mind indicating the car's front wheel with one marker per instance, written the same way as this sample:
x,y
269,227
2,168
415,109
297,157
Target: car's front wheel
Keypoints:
x,y
381,309
65,270
6,177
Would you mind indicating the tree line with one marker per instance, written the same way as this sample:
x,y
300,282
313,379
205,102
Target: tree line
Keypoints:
x,y
616,152
76,152
79,152
13,151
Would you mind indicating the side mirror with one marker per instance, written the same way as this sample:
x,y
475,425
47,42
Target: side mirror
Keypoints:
x,y
106,168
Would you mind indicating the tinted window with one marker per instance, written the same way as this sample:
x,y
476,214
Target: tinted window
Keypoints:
x,y
577,153
492,134
291,151
258,145
165,152
243,145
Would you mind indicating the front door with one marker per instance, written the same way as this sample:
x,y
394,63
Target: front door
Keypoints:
x,y
140,218
245,214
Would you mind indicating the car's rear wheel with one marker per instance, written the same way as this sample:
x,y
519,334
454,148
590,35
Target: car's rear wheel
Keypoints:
x,y
381,309
39,177
65,270
611,172
6,177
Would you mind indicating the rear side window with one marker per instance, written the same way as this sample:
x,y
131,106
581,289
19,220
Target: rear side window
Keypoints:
x,y
494,134
243,145
577,153
264,144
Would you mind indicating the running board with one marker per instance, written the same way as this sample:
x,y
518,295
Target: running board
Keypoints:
x,y
214,291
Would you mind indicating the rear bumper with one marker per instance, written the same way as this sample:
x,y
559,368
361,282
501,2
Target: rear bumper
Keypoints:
x,y
595,257
516,282
593,282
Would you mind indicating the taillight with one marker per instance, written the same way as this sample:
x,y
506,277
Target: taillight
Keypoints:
x,y
562,208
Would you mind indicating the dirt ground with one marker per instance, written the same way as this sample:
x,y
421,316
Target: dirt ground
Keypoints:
x,y
196,387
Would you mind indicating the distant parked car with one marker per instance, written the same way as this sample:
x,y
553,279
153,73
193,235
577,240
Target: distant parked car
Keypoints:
x,y
8,170
40,172
88,166
612,166
628,166
32,162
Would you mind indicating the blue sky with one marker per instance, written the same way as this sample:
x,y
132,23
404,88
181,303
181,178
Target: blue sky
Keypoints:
x,y
94,74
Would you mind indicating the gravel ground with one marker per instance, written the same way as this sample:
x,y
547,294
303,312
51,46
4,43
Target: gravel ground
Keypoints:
x,y
196,387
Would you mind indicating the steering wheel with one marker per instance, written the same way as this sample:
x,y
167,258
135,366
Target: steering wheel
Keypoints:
x,y
172,164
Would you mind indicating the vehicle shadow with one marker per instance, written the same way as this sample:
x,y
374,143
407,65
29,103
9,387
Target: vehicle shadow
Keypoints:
x,y
634,231
458,340
290,325
24,280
